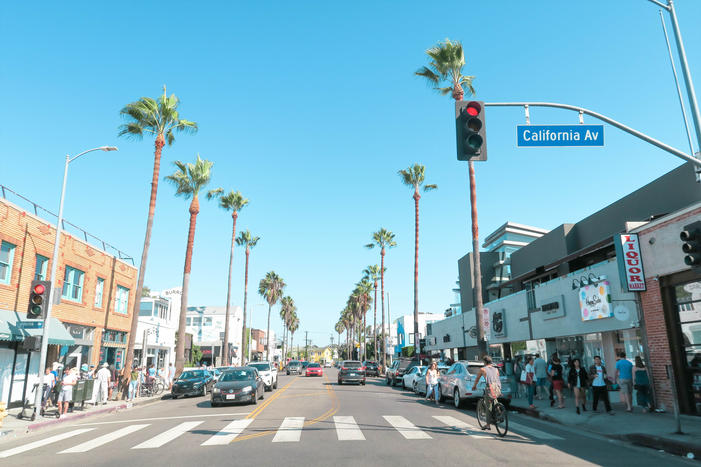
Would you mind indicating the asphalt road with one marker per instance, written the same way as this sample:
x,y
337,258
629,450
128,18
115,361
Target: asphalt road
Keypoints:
x,y
313,421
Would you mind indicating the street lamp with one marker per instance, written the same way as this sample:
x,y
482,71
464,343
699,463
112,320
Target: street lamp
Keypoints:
x,y
54,267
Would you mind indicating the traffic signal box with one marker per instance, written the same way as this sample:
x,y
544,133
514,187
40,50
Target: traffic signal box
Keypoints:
x,y
39,299
470,131
691,246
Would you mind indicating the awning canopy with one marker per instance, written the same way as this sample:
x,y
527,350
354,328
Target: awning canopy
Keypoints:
x,y
14,326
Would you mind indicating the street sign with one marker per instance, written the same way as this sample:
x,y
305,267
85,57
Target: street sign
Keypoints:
x,y
30,324
559,135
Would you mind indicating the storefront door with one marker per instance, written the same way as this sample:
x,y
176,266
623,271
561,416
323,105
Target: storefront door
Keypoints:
x,y
688,305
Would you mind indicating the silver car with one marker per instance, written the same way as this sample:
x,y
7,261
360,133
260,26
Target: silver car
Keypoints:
x,y
420,381
457,383
409,378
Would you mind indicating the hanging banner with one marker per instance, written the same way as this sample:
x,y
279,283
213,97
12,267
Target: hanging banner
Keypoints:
x,y
595,301
486,323
630,262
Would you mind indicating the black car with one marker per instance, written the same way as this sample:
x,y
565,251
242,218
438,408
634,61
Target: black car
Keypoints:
x,y
192,383
294,368
239,384
371,368
352,371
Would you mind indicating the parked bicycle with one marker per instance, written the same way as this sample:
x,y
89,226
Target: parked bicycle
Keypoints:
x,y
153,388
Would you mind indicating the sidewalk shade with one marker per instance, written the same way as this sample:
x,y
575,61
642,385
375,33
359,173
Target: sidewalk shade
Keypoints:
x,y
11,329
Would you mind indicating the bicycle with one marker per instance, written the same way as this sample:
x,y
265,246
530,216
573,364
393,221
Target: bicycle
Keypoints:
x,y
497,416
154,388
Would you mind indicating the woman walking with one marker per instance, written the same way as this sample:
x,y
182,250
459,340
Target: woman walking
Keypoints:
x,y
516,386
432,382
530,381
556,372
577,381
642,384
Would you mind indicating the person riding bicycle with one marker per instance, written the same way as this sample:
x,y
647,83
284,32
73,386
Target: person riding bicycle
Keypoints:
x,y
492,387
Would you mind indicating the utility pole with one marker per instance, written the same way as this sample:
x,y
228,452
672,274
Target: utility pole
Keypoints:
x,y
306,345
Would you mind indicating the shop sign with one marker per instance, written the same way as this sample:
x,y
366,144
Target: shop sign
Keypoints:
x,y
486,325
595,301
630,262
75,331
499,323
553,307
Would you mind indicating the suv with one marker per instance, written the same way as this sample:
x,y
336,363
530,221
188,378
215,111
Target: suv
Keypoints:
x,y
395,373
352,371
267,372
371,368
294,368
457,383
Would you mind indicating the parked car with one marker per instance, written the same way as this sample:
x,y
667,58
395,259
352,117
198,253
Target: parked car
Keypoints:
x,y
457,383
294,367
352,371
410,376
327,364
238,384
371,368
192,383
420,380
314,369
395,373
267,372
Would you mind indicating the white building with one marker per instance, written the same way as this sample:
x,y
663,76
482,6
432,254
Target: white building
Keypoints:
x,y
206,324
403,329
158,324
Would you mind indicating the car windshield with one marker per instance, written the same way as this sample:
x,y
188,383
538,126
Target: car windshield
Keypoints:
x,y
293,363
237,375
351,364
261,366
192,374
314,365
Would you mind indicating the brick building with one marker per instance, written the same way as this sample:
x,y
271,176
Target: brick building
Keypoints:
x,y
96,284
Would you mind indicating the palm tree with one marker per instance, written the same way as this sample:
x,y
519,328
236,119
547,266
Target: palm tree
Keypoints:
x,y
270,288
446,61
160,118
361,296
294,325
287,307
383,239
189,179
234,202
414,177
372,273
249,241
339,329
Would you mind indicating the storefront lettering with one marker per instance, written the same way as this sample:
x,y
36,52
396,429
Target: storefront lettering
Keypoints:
x,y
630,262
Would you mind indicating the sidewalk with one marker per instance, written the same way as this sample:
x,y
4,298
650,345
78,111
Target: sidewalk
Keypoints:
x,y
654,430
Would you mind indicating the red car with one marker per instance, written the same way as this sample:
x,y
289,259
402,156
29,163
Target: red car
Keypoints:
x,y
314,369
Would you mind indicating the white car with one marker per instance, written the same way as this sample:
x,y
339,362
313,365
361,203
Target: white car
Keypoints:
x,y
267,372
409,379
457,383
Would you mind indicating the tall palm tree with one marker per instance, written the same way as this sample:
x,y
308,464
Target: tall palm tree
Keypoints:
x,y
270,288
294,325
339,329
189,179
383,239
414,177
444,73
158,117
249,241
372,273
232,201
287,307
362,296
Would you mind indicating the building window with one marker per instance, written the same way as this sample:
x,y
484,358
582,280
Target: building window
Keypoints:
x,y
197,321
188,321
146,309
42,265
121,300
206,321
73,284
7,254
99,290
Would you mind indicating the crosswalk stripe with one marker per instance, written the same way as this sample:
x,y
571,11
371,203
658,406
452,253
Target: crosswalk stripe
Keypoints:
x,y
104,439
347,429
460,426
405,427
532,431
43,442
166,436
290,430
228,433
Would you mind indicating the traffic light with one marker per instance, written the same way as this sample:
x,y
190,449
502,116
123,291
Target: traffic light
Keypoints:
x,y
39,299
470,131
691,236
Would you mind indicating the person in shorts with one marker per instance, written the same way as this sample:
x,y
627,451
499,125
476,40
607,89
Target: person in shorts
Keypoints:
x,y
65,397
624,377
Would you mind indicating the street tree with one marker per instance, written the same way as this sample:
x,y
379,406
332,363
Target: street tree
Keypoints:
x,y
287,308
249,241
270,288
372,273
383,239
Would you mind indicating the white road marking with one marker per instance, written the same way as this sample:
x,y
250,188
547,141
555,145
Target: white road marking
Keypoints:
x,y
405,427
460,426
43,442
164,418
347,429
532,431
290,430
166,436
228,433
104,439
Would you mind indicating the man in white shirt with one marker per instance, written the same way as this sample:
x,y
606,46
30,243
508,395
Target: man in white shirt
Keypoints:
x,y
171,376
103,378
65,397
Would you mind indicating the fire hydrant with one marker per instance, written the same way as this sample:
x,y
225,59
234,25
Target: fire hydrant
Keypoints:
x,y
3,412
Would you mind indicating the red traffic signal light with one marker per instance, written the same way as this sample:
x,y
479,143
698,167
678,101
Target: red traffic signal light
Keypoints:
x,y
473,108
39,289
470,132
38,299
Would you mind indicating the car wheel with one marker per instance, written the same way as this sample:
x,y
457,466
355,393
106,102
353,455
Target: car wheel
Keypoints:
x,y
363,383
388,382
204,390
340,383
254,400
456,398
275,385
416,390
403,384
215,404
440,394
262,395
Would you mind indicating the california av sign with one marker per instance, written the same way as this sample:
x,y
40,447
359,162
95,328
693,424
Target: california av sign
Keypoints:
x,y
559,135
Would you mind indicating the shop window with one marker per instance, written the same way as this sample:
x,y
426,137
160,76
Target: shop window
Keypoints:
x,y
73,284
7,254
688,300
40,269
121,300
99,291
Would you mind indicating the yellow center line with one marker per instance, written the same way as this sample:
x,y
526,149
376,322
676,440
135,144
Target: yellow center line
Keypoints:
x,y
277,394
306,394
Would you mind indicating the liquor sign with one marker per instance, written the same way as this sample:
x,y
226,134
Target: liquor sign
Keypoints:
x,y
595,301
630,262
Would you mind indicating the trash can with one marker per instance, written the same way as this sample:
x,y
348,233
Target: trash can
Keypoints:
x,y
89,386
79,393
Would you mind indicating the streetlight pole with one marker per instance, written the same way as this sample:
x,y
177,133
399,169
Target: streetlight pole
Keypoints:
x,y
54,267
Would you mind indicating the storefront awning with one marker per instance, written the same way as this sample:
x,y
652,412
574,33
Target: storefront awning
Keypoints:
x,y
13,328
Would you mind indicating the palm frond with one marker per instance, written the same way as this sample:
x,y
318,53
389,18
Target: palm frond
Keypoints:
x,y
430,187
215,193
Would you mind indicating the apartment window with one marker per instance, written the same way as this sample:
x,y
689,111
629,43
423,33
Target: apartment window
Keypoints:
x,y
99,290
206,321
122,300
42,265
146,309
7,254
197,321
73,284
188,321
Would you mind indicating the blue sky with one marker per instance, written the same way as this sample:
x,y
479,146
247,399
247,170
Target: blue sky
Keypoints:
x,y
310,108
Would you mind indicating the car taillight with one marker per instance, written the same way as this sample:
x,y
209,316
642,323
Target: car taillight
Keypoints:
x,y
363,369
343,368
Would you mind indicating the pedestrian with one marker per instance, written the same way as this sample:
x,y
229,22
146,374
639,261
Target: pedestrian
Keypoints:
x,y
597,374
624,378
103,380
65,397
114,377
171,376
516,386
133,383
432,382
529,379
556,372
541,374
642,384
577,381
49,383
551,394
